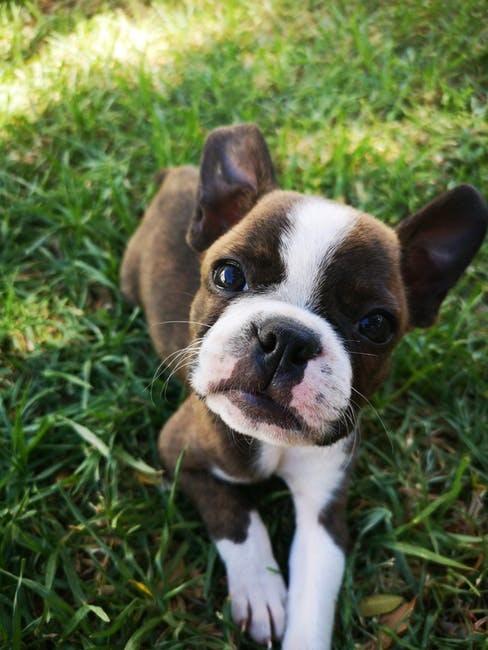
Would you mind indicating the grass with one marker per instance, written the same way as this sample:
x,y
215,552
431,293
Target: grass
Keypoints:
x,y
382,105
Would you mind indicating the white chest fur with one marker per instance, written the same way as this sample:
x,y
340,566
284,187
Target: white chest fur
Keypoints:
x,y
306,470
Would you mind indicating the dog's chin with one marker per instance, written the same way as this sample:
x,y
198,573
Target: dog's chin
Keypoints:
x,y
258,416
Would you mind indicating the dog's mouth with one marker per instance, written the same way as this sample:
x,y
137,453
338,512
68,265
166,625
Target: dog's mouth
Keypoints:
x,y
261,411
260,407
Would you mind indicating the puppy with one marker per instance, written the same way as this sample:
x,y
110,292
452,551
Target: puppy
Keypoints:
x,y
287,308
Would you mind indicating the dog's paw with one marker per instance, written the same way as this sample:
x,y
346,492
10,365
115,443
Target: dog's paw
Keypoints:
x,y
258,602
256,588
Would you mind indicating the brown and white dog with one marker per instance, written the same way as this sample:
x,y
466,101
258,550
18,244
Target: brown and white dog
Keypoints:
x,y
288,308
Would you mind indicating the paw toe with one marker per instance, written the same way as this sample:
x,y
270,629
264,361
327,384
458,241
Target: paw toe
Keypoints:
x,y
261,609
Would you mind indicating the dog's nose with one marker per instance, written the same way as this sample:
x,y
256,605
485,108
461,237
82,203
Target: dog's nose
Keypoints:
x,y
285,347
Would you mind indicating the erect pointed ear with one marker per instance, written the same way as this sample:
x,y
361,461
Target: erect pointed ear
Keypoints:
x,y
437,245
235,171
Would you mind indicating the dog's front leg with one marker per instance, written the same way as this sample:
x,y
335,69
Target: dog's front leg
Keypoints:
x,y
317,556
256,587
316,568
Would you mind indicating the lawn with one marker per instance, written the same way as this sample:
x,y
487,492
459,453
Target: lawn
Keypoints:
x,y
382,105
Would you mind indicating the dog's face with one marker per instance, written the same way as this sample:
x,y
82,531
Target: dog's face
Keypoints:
x,y
302,300
306,301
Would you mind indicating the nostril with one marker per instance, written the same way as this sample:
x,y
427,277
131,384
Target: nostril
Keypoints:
x,y
267,338
268,341
303,352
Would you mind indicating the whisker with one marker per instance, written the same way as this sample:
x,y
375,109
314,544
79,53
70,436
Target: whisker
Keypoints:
x,y
186,322
166,363
174,354
376,412
355,443
164,390
185,360
175,357
179,353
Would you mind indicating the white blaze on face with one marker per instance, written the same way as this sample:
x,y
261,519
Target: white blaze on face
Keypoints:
x,y
316,229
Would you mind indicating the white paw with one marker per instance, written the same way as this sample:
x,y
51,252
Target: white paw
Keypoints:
x,y
256,587
258,602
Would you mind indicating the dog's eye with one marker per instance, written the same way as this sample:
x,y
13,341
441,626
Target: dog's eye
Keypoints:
x,y
228,275
377,326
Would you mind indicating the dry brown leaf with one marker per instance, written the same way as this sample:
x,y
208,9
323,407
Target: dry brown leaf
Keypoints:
x,y
397,621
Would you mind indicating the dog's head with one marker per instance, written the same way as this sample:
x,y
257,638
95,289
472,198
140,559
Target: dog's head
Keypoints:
x,y
302,299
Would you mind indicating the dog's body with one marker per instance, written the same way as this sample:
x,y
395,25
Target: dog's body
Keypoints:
x,y
290,328
160,271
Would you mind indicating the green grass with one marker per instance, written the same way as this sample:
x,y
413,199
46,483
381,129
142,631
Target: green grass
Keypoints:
x,y
379,104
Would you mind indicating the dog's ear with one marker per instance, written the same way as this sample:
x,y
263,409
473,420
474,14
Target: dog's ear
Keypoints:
x,y
437,244
235,171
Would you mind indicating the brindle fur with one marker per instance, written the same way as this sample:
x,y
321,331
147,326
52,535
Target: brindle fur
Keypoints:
x,y
159,269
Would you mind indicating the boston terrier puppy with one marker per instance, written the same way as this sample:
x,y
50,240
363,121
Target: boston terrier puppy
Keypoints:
x,y
281,311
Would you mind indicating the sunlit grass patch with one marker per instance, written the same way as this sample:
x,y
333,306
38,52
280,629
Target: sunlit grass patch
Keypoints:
x,y
29,322
98,47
